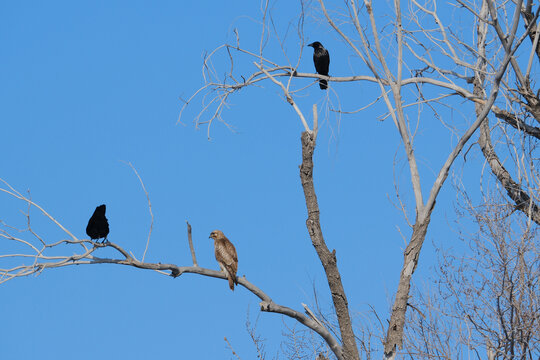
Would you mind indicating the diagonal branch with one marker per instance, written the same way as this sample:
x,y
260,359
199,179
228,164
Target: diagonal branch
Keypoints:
x,y
443,173
522,200
287,95
515,122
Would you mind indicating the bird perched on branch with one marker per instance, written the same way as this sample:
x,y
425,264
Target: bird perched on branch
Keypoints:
x,y
98,226
225,256
321,59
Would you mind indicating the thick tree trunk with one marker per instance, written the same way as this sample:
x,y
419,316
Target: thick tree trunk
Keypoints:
x,y
328,259
394,336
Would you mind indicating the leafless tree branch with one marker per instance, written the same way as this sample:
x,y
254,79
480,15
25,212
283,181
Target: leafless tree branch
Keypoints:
x,y
149,208
191,248
39,262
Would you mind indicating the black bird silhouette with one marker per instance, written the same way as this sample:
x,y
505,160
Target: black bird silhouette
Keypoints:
x,y
98,226
321,59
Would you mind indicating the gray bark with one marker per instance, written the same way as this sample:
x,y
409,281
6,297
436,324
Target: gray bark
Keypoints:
x,y
328,259
412,252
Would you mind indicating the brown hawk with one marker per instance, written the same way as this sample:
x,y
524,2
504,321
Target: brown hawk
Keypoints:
x,y
225,256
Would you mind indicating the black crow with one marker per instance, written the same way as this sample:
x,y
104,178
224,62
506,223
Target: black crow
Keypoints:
x,y
98,226
321,59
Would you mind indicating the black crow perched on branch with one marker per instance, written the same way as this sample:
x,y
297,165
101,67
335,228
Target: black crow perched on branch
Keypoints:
x,y
321,59
98,226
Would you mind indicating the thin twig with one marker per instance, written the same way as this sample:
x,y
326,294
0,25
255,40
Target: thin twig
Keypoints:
x,y
149,208
231,348
315,121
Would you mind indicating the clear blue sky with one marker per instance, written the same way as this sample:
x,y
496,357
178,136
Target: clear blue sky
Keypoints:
x,y
85,86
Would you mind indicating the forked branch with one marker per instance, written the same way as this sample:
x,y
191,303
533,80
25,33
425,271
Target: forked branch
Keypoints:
x,y
31,258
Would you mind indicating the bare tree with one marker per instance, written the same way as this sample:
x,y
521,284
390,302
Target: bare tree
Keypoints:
x,y
453,65
483,301
489,300
420,64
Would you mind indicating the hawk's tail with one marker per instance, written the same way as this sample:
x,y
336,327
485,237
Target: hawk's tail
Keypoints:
x,y
323,84
232,280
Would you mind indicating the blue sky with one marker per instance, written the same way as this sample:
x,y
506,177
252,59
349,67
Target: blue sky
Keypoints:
x,y
87,86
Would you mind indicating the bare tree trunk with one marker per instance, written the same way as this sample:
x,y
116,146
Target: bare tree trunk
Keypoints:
x,y
328,259
394,337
